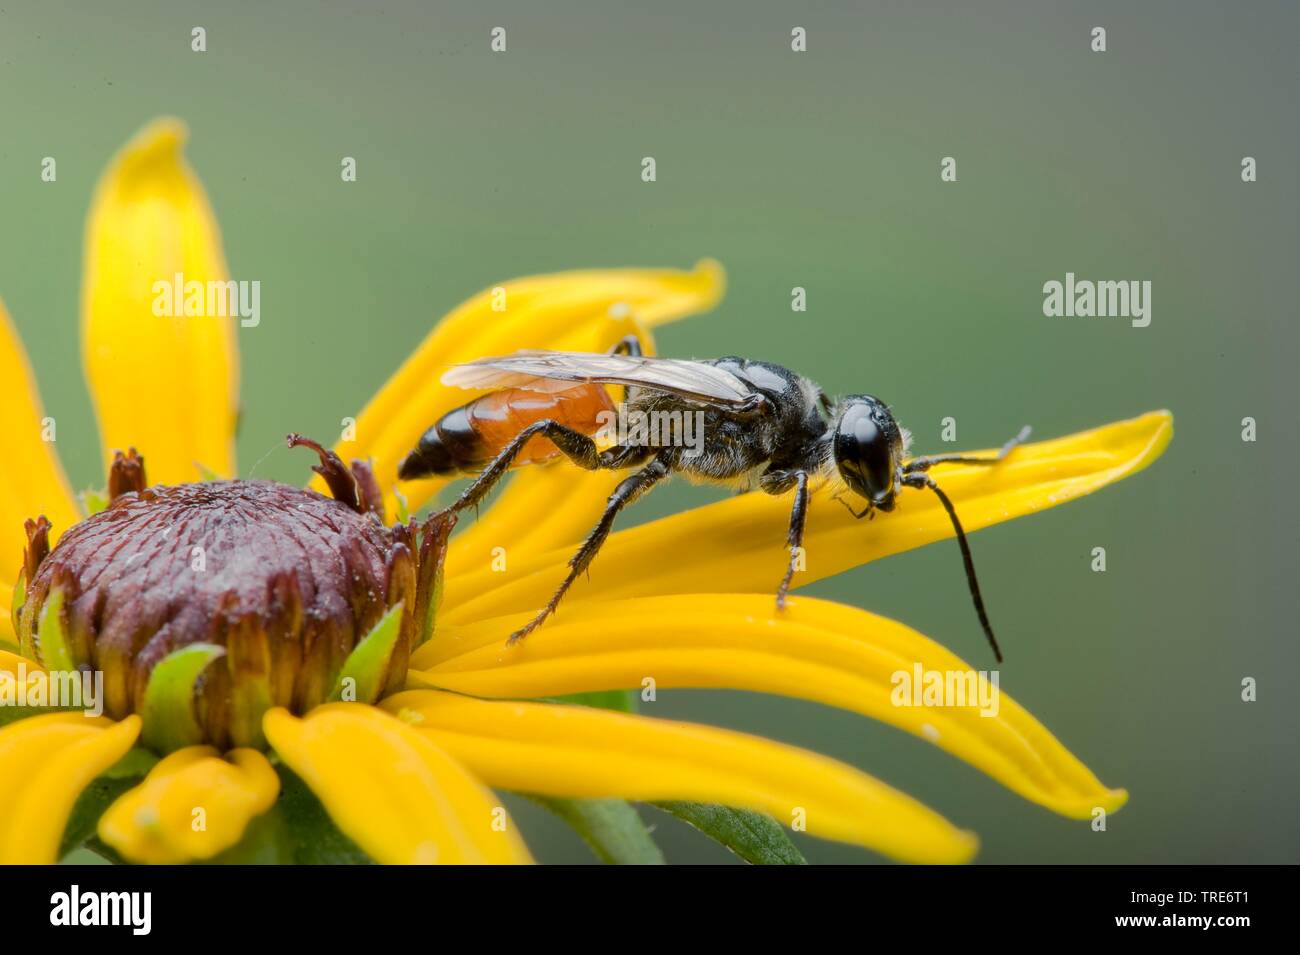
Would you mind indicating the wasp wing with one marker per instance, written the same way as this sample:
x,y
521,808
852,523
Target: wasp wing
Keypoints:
x,y
550,371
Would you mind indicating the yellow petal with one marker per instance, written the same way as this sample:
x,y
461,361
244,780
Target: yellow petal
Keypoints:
x,y
165,385
45,762
541,508
11,660
587,310
741,541
814,650
7,635
193,805
579,751
31,479
392,791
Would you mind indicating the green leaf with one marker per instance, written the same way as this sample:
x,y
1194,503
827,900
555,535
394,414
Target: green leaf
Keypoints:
x,y
367,664
611,827
168,713
621,701
751,835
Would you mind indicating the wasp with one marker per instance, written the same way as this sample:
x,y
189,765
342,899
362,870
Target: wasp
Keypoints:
x,y
763,427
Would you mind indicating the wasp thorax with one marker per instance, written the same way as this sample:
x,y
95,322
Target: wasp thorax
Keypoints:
x,y
205,604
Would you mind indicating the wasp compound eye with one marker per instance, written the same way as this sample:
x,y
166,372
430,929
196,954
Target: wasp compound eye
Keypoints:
x,y
864,450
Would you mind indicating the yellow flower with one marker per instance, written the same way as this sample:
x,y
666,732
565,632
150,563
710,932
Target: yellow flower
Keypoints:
x,y
408,776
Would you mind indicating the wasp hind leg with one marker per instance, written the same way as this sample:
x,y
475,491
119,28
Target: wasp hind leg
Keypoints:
x,y
628,345
577,447
778,482
628,490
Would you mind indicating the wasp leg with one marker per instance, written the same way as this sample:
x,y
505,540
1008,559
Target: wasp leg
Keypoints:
x,y
868,512
925,463
628,345
578,447
628,491
778,482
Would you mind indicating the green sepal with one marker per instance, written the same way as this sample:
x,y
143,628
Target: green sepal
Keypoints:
x,y
425,621
135,764
431,611
315,838
367,664
250,698
168,713
19,598
611,827
296,831
83,822
403,508
55,653
751,835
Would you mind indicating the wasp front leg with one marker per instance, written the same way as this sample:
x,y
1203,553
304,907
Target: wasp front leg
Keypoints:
x,y
778,482
868,512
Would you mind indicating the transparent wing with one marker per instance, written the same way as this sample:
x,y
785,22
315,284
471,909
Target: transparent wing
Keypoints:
x,y
550,371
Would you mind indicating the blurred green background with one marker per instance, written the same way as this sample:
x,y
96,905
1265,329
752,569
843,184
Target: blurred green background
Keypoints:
x,y
819,170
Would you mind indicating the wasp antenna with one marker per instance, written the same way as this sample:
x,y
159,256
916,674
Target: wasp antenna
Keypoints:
x,y
920,479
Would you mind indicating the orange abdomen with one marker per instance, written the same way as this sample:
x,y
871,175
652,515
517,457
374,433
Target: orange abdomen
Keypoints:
x,y
496,418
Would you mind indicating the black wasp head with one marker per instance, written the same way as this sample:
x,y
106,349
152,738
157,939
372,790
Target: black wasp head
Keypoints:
x,y
868,448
